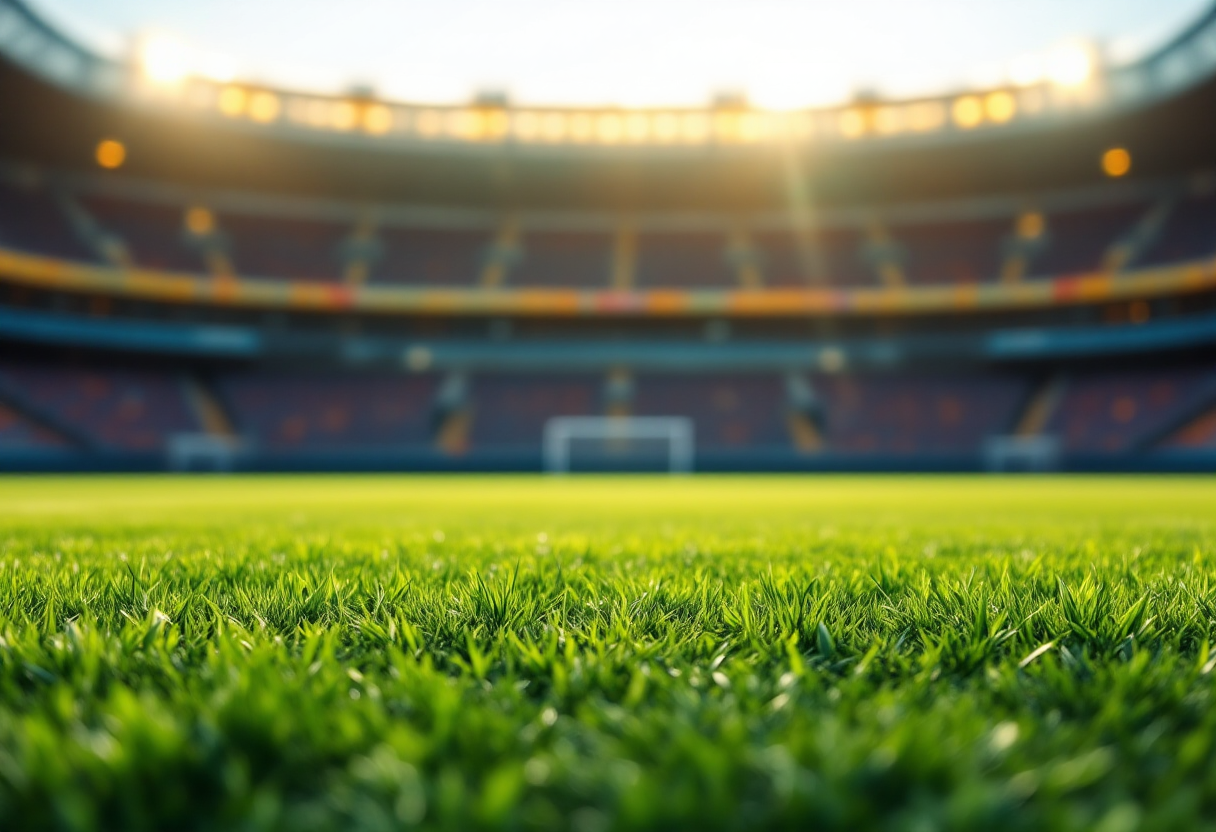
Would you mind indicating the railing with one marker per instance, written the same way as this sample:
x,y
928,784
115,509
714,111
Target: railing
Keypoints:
x,y
813,301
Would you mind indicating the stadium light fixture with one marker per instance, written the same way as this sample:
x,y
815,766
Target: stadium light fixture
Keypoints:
x,y
1071,66
1000,106
968,111
164,60
377,119
264,107
1031,225
1116,162
232,101
1027,70
110,153
200,221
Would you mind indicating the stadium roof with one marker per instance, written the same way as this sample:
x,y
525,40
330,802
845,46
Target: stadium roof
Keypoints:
x,y
633,53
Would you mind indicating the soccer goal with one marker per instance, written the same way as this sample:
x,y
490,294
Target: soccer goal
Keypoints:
x,y
619,443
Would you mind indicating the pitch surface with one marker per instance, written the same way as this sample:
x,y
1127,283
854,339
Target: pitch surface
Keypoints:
x,y
373,653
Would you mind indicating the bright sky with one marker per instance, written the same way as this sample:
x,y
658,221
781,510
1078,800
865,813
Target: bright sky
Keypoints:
x,y
781,53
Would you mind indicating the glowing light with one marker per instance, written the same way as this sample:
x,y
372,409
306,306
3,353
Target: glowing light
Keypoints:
x,y
637,127
342,115
232,101
264,107
525,125
1071,66
694,127
1000,106
200,221
429,123
164,60
1027,70
852,123
968,112
1116,162
377,119
582,127
1031,225
666,127
111,153
553,127
926,115
888,120
609,128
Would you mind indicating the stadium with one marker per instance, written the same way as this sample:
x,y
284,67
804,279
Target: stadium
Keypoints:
x,y
203,275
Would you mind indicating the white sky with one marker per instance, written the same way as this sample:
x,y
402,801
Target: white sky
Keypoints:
x,y
781,53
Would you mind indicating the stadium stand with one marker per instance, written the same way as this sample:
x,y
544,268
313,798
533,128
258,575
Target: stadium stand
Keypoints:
x,y
294,248
683,260
431,256
558,259
118,408
729,411
511,411
19,433
31,220
1078,241
1189,233
1115,412
154,235
426,288
954,253
930,415
286,411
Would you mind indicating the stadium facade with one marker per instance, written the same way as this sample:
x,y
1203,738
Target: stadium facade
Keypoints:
x,y
196,273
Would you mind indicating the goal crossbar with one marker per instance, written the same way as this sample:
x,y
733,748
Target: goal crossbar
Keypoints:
x,y
561,431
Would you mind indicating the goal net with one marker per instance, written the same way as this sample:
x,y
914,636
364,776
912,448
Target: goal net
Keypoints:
x,y
619,443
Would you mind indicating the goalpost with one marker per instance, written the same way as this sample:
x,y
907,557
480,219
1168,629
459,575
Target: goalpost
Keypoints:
x,y
618,442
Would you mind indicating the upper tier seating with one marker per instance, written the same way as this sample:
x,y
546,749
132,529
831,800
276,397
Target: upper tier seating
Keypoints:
x,y
564,258
964,251
685,260
953,253
1077,241
431,257
1189,234
276,247
30,220
153,234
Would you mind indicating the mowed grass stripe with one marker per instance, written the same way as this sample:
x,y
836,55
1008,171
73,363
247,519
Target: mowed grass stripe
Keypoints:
x,y
633,653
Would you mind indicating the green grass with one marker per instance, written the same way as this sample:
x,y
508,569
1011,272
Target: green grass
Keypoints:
x,y
735,653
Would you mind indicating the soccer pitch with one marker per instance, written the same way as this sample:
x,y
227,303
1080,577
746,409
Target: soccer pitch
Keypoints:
x,y
375,653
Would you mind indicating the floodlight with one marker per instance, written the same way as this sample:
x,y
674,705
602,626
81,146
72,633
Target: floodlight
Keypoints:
x,y
111,153
199,221
968,112
1027,70
1000,106
1031,225
1116,162
1071,66
232,101
377,119
264,107
852,123
164,60
609,128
